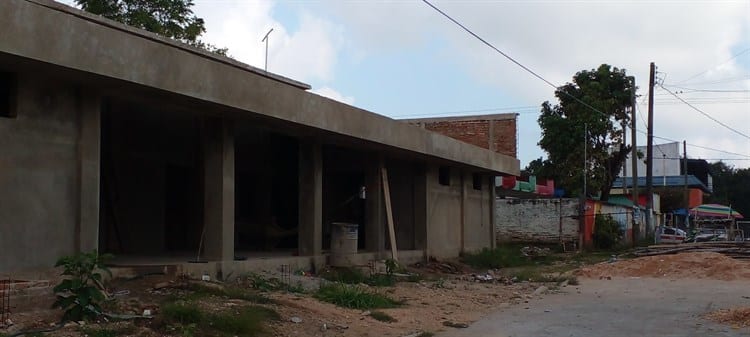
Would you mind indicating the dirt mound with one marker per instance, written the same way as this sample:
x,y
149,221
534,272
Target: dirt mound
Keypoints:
x,y
736,317
683,265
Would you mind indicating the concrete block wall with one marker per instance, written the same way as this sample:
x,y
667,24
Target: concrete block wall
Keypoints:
x,y
39,165
536,220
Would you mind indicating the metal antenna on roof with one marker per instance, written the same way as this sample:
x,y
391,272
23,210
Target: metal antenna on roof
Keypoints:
x,y
265,39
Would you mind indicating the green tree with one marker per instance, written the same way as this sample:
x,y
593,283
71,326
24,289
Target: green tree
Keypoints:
x,y
731,186
171,18
607,90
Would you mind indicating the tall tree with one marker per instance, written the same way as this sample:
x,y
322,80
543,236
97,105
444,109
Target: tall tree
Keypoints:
x,y
731,186
606,89
171,18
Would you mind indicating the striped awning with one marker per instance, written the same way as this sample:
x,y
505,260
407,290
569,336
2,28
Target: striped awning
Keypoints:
x,y
715,211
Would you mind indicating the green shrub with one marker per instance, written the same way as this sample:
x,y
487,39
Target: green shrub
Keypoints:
x,y
353,297
78,294
607,233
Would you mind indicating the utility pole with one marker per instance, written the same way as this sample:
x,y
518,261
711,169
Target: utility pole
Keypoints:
x,y
650,148
634,153
265,39
582,206
685,172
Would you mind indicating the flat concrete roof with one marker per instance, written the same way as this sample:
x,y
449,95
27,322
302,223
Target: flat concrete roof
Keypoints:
x,y
55,34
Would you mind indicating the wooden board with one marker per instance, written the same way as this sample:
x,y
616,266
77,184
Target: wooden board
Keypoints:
x,y
389,213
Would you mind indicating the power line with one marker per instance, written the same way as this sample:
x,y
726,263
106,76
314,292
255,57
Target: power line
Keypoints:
x,y
709,69
542,78
726,80
510,58
692,90
707,115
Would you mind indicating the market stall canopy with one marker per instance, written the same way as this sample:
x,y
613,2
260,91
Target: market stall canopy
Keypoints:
x,y
715,210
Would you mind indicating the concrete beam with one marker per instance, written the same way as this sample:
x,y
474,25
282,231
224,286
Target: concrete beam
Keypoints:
x,y
218,193
310,198
119,56
89,172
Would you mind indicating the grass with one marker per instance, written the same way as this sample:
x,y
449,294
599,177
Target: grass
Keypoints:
x,y
354,297
248,321
261,283
104,332
505,256
201,291
383,317
532,274
355,276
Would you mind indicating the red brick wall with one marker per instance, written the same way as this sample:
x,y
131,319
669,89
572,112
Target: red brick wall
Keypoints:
x,y
477,132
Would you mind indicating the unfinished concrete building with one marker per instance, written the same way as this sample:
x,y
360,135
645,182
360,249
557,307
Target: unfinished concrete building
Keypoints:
x,y
120,140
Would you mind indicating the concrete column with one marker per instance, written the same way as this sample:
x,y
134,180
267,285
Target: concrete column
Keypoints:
x,y
493,223
420,208
374,208
89,156
218,193
310,198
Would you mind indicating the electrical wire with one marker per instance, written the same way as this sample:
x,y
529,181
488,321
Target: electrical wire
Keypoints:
x,y
510,58
706,114
470,32
714,66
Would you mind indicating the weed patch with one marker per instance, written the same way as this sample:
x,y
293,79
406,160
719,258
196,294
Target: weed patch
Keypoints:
x,y
182,313
354,297
355,276
100,332
188,320
383,317
200,291
503,257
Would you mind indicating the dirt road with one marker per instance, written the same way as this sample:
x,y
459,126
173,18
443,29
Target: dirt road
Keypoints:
x,y
622,306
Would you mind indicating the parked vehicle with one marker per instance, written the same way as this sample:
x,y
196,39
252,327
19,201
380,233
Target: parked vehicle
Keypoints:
x,y
672,235
708,234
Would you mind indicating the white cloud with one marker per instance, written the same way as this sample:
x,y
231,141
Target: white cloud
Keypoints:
x,y
308,53
559,38
334,95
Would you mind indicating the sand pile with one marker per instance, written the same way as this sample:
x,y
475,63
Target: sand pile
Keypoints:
x,y
736,317
683,265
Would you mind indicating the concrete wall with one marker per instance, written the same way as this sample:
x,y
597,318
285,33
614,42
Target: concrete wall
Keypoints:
x,y
443,214
457,216
536,220
39,166
477,214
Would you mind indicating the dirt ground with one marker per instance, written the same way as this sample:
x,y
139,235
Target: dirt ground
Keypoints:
x,y
429,303
702,265
439,297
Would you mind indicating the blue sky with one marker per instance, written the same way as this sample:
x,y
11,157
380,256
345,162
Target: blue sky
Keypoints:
x,y
400,58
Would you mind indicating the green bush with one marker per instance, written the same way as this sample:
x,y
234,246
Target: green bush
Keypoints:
x,y
354,297
78,294
607,233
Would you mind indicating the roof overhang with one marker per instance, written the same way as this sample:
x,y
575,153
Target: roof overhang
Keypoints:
x,y
52,33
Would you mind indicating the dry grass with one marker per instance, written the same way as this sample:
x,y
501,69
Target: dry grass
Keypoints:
x,y
736,317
